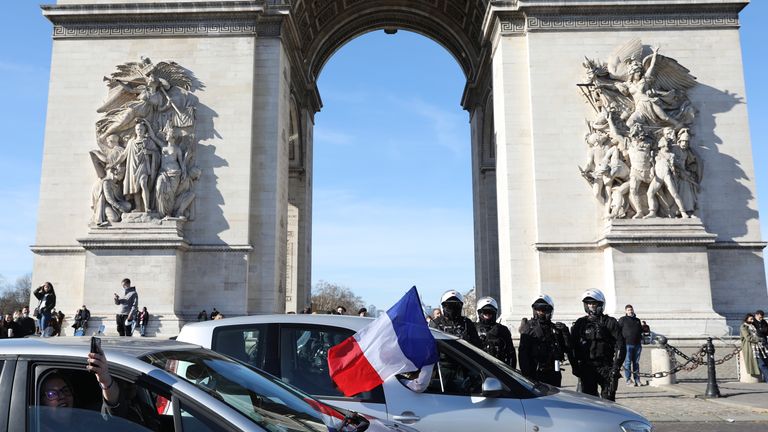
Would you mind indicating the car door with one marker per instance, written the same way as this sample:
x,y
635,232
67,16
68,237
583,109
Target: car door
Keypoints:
x,y
303,360
453,400
7,367
148,407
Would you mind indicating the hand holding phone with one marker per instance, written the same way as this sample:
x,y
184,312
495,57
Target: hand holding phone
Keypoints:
x,y
96,345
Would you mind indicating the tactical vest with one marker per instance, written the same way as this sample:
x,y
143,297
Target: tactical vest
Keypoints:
x,y
457,328
596,342
549,346
492,343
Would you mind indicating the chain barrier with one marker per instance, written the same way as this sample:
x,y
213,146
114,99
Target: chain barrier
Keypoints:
x,y
691,362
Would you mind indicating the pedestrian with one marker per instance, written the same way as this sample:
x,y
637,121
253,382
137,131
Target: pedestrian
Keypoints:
x,y
341,310
56,319
47,297
543,344
495,338
646,332
598,347
128,308
26,323
202,316
143,320
632,330
452,321
754,352
362,312
214,312
436,313
12,329
81,321
761,325
307,310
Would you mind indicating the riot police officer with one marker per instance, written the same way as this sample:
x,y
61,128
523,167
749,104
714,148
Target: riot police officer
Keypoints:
x,y
598,347
452,321
543,344
495,338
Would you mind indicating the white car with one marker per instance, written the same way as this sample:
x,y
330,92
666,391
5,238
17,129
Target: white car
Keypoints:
x,y
164,386
470,390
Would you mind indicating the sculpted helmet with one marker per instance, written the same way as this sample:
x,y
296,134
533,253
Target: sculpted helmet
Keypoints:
x,y
545,303
593,295
487,305
452,302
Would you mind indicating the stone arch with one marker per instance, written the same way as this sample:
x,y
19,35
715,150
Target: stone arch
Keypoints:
x,y
454,25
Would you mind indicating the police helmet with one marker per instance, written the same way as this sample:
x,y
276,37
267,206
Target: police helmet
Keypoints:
x,y
487,304
452,295
545,303
452,302
593,295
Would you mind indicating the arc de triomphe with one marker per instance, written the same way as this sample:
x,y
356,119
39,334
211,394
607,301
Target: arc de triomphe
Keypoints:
x,y
178,152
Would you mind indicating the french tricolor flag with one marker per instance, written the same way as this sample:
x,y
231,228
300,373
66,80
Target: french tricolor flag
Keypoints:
x,y
396,342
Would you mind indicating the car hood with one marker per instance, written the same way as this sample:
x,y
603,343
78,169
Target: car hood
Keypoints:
x,y
575,411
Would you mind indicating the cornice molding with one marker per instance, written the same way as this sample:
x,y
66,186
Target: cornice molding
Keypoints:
x,y
535,16
205,18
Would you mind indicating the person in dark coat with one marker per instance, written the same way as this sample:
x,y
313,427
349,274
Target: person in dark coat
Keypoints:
x,y
81,318
598,348
453,321
26,323
495,338
543,344
632,330
143,321
47,297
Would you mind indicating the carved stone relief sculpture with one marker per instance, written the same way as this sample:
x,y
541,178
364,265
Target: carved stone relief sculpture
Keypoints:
x,y
640,160
146,160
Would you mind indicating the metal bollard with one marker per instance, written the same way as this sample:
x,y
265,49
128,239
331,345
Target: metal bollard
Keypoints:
x,y
713,391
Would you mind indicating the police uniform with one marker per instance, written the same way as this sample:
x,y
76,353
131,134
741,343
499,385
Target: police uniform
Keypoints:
x,y
461,327
496,340
599,350
542,343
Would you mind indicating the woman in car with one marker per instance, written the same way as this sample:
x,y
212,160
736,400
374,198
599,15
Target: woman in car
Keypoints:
x,y
56,391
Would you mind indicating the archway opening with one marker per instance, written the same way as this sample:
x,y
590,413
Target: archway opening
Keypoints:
x,y
392,170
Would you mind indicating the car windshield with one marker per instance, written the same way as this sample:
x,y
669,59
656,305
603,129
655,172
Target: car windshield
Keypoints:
x,y
536,388
267,402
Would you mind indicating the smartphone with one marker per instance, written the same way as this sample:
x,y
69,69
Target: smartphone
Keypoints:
x,y
96,345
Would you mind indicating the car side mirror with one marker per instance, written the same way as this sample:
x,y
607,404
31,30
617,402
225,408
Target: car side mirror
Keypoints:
x,y
492,387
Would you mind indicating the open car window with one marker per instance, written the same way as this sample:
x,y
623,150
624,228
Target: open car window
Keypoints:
x,y
67,396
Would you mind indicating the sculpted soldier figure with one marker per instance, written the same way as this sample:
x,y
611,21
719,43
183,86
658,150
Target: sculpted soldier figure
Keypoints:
x,y
640,162
598,347
664,174
172,172
543,344
452,321
142,159
495,338
688,172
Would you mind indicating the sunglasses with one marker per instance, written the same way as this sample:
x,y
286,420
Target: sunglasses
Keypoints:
x,y
54,394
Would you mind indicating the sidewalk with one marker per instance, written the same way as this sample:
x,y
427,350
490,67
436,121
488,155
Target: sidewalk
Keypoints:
x,y
679,403
736,394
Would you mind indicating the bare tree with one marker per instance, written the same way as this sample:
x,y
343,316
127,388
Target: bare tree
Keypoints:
x,y
328,296
14,296
470,305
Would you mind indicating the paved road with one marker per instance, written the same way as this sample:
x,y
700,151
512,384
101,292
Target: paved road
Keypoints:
x,y
711,427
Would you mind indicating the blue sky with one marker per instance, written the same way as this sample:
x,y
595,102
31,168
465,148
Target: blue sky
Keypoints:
x,y
392,181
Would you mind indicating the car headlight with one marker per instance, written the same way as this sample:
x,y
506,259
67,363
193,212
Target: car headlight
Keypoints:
x,y
635,426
